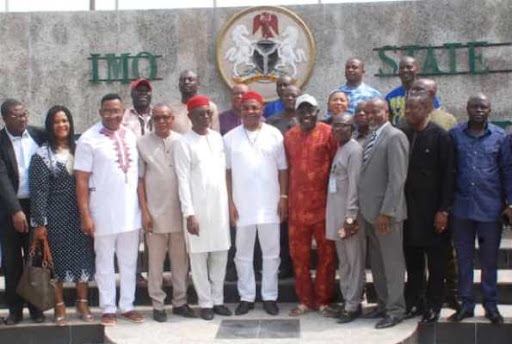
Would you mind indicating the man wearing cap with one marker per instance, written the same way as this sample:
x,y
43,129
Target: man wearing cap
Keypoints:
x,y
188,86
310,148
232,118
161,214
138,117
200,165
257,178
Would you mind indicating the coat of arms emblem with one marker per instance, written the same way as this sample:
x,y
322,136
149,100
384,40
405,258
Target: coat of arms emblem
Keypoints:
x,y
260,44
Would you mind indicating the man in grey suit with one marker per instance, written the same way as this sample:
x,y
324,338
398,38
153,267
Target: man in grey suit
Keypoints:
x,y
382,205
342,211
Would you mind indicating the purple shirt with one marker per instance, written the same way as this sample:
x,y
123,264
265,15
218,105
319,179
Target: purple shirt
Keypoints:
x,y
228,120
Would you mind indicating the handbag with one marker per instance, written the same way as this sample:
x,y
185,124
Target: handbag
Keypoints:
x,y
37,284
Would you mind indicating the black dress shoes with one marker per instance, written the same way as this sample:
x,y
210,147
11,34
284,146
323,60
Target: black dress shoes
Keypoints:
x,y
271,307
374,314
206,313
461,314
430,316
222,310
159,315
38,317
494,316
244,307
184,311
13,319
388,321
414,311
346,316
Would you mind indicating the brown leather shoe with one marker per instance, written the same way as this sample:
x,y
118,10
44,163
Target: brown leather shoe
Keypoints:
x,y
133,316
108,319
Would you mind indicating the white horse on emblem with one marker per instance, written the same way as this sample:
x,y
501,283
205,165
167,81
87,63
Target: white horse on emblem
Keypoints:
x,y
241,53
287,53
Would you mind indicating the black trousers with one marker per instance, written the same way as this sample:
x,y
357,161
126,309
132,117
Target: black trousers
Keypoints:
x,y
15,247
420,291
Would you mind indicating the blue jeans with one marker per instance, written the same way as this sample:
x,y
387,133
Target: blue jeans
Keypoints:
x,y
489,237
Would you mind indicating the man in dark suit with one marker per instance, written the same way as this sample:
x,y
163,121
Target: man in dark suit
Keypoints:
x,y
429,194
382,205
18,142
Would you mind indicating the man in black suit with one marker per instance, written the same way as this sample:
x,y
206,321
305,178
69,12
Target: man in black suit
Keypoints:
x,y
18,142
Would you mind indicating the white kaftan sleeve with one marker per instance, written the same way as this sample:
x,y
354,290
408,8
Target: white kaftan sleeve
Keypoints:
x,y
182,163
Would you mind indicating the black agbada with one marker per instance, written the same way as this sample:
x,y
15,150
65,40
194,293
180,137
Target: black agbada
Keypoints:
x,y
430,184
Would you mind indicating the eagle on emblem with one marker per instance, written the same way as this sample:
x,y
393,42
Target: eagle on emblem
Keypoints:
x,y
268,24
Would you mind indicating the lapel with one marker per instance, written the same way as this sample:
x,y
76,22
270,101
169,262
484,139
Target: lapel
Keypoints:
x,y
380,138
9,151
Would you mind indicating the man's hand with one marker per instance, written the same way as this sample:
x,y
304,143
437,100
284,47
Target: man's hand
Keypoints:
x,y
233,214
147,224
282,209
507,215
382,224
19,221
192,225
347,230
88,226
40,233
441,221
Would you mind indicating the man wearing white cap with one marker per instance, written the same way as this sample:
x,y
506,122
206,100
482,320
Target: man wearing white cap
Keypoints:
x,y
310,148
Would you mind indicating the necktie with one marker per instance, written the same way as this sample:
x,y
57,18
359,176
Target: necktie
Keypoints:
x,y
369,146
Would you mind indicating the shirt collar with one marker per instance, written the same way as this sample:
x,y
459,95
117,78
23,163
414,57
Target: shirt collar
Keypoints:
x,y
149,112
488,129
378,131
25,134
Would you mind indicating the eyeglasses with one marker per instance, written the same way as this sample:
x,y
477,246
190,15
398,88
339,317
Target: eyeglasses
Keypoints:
x,y
23,115
111,113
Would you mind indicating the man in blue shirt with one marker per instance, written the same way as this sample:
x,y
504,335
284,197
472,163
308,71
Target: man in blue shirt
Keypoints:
x,y
277,106
407,71
484,181
355,88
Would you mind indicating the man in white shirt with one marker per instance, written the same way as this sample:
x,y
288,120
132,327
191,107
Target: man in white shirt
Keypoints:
x,y
200,165
106,170
257,178
161,214
18,142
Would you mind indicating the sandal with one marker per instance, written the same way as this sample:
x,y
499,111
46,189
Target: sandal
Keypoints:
x,y
60,314
329,311
84,315
300,310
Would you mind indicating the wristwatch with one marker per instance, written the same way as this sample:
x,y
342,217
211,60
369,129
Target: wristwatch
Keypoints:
x,y
349,220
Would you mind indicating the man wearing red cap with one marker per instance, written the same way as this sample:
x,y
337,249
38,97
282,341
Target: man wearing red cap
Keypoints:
x,y
188,85
257,178
200,165
138,118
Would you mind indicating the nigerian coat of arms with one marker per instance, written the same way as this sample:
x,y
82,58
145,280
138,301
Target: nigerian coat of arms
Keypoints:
x,y
259,44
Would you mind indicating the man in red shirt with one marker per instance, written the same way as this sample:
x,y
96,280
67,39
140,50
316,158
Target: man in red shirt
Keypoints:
x,y
310,149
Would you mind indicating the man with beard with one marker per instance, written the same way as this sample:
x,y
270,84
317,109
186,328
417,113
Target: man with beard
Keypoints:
x,y
429,196
310,149
407,71
382,204
484,180
188,86
355,88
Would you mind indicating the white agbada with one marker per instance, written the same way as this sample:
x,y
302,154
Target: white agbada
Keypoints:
x,y
255,158
201,169
112,159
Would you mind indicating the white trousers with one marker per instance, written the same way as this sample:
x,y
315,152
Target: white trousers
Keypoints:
x,y
268,236
125,246
208,272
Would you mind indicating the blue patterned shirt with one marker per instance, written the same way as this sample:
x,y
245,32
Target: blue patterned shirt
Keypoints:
x,y
356,94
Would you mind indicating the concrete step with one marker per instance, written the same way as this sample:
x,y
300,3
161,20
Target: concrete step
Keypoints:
x,y
286,290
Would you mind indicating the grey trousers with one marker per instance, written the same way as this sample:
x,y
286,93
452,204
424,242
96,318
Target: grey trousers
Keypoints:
x,y
351,257
159,245
388,267
208,272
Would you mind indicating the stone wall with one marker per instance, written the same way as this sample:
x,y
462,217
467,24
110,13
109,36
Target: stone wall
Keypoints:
x,y
44,56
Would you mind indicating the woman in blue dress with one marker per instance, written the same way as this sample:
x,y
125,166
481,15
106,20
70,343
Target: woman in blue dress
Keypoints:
x,y
54,212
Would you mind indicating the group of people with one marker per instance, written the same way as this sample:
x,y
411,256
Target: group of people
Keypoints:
x,y
393,177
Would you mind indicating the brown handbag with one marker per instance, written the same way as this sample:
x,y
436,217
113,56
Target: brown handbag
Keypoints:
x,y
37,284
